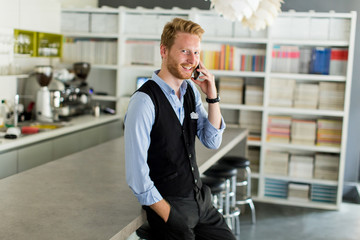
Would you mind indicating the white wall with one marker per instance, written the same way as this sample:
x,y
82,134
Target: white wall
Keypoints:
x,y
78,3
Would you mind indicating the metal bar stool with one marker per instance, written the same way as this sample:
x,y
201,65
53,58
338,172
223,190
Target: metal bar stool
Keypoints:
x,y
218,188
242,164
231,212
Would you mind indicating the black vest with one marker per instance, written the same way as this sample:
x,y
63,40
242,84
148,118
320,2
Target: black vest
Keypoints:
x,y
171,155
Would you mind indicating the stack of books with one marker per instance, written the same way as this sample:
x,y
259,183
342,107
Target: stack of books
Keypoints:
x,y
278,129
329,132
93,51
254,92
338,61
303,132
251,120
228,57
301,166
331,96
231,90
276,188
326,166
254,158
282,92
323,193
277,163
285,59
299,192
306,95
320,60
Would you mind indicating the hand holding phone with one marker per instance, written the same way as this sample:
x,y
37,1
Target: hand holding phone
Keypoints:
x,y
196,73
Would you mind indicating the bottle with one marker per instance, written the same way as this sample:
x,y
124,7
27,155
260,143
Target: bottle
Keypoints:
x,y
3,113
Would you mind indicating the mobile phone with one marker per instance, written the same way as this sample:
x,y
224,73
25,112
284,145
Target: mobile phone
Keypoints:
x,y
196,73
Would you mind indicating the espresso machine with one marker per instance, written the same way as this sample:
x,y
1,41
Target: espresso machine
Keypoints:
x,y
77,94
44,112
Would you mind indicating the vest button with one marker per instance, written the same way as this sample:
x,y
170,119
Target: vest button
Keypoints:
x,y
190,155
195,180
192,169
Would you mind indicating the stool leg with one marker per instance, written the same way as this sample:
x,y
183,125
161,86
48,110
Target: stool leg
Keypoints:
x,y
253,216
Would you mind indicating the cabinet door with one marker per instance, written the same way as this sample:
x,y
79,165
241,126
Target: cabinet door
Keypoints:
x,y
66,145
40,15
34,155
110,131
9,13
90,137
8,164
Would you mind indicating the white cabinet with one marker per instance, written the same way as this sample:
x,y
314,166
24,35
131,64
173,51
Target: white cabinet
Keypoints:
x,y
92,36
8,164
9,13
34,155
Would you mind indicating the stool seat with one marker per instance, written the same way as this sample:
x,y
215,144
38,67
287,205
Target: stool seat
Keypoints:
x,y
221,171
144,232
216,185
235,161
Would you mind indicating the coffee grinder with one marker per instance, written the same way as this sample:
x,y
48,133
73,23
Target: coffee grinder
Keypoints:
x,y
44,111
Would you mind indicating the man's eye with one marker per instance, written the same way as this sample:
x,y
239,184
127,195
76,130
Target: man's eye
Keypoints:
x,y
196,53
187,52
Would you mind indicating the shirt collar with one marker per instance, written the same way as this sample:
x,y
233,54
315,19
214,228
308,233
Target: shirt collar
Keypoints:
x,y
165,87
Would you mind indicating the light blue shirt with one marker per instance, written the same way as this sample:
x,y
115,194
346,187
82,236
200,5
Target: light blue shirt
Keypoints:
x,y
139,120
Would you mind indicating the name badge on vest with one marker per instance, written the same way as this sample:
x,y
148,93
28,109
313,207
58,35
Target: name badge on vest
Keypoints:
x,y
194,115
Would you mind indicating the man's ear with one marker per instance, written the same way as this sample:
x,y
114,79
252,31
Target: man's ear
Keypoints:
x,y
163,51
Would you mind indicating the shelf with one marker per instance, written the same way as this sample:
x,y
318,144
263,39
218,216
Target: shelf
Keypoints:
x,y
235,40
309,77
237,73
14,76
310,204
90,35
104,66
318,43
241,107
313,112
302,180
303,147
255,175
254,143
104,98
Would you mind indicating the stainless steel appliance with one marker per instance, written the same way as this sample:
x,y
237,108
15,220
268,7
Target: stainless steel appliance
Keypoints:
x,y
77,95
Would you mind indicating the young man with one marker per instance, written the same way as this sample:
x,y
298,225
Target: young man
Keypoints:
x,y
163,118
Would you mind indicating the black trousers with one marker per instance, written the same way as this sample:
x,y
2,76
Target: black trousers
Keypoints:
x,y
191,218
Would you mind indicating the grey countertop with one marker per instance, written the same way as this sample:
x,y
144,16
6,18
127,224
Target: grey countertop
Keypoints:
x,y
83,195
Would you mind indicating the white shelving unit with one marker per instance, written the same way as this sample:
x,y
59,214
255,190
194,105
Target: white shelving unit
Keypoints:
x,y
142,28
94,26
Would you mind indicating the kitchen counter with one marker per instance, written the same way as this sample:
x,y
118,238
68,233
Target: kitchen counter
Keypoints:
x,y
83,195
76,124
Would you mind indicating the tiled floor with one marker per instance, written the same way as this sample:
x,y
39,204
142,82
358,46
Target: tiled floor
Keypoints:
x,y
276,222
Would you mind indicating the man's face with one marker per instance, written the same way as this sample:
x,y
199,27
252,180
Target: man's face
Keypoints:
x,y
184,55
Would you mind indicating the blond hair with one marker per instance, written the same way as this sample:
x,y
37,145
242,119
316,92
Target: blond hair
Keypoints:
x,y
179,25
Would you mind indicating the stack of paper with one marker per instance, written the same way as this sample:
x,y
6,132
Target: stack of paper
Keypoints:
x,y
254,157
331,96
251,120
299,191
231,90
306,95
303,132
305,60
301,166
277,163
329,132
254,92
281,92
285,59
278,129
323,193
276,188
142,53
326,166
